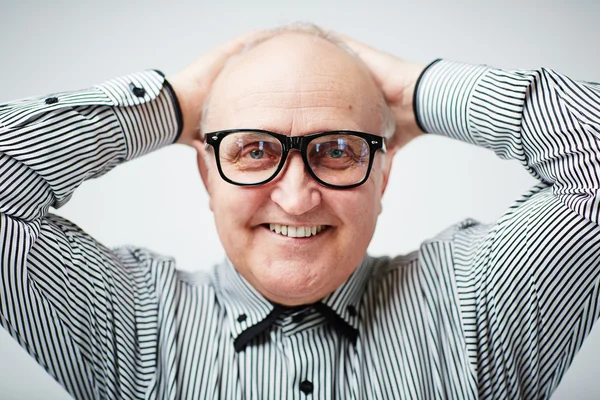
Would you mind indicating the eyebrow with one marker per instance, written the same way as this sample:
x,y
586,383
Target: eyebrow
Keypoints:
x,y
256,135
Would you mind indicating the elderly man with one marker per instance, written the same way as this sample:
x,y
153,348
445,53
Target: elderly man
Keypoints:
x,y
298,137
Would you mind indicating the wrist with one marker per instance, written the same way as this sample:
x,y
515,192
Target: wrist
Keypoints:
x,y
415,92
190,103
408,126
443,96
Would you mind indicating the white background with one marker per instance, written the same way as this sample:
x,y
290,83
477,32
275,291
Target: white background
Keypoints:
x,y
159,202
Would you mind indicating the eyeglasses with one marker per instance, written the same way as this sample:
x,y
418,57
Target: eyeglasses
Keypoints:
x,y
335,159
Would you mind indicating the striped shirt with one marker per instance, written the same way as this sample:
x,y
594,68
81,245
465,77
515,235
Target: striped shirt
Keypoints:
x,y
488,311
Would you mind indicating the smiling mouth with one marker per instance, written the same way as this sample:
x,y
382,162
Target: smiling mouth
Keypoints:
x,y
296,231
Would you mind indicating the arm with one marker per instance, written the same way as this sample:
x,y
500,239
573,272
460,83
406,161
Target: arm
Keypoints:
x,y
88,315
548,122
69,301
528,286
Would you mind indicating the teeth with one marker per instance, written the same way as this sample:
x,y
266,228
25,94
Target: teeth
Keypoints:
x,y
296,231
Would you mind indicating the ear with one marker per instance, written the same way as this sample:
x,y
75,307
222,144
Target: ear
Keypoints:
x,y
201,157
387,167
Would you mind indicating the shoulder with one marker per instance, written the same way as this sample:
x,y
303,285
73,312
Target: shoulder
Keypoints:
x,y
162,269
438,249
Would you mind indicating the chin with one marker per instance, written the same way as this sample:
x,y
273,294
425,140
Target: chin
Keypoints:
x,y
292,282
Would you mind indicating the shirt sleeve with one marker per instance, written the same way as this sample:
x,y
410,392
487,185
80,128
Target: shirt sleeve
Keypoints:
x,y
88,315
528,285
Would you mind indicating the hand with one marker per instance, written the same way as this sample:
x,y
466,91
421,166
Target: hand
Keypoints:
x,y
192,84
397,79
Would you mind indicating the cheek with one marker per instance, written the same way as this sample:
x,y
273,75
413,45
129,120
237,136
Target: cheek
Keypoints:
x,y
233,207
358,210
378,181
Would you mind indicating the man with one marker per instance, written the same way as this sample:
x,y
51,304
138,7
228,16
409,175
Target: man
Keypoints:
x,y
294,160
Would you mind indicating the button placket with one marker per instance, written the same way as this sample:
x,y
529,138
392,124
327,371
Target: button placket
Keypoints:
x,y
303,360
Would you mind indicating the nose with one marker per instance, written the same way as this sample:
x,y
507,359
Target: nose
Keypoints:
x,y
295,191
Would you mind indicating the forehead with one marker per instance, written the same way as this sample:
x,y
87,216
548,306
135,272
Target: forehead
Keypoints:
x,y
294,84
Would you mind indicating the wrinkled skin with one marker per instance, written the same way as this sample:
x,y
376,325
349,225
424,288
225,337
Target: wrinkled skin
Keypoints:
x,y
295,84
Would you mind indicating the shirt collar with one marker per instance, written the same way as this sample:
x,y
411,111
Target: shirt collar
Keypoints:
x,y
245,306
346,299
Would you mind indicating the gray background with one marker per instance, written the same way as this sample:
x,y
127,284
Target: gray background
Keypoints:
x,y
158,201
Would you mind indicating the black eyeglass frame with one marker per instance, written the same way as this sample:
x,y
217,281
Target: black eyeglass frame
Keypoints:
x,y
299,143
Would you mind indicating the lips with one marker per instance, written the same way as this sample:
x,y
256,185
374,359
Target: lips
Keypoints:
x,y
297,231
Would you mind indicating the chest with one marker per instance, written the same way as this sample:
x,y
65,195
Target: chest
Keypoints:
x,y
389,361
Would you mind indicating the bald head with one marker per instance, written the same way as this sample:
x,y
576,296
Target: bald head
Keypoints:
x,y
296,83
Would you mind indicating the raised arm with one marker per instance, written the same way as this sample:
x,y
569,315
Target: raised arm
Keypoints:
x,y
548,122
88,315
528,285
63,296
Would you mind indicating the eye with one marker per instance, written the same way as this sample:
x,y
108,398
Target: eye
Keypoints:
x,y
336,153
256,154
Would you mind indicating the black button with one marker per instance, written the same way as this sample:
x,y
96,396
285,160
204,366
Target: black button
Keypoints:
x,y
298,317
351,310
52,100
242,317
138,91
306,387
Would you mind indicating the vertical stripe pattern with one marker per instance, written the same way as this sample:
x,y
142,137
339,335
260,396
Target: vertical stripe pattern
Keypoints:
x,y
480,311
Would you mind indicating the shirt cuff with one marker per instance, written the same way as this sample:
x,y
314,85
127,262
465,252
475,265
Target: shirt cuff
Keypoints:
x,y
442,97
147,110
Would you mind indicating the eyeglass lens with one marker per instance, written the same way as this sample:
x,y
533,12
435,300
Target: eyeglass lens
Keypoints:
x,y
253,157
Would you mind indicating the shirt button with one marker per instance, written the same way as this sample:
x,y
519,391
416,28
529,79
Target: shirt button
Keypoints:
x,y
351,310
241,317
138,91
306,387
51,100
